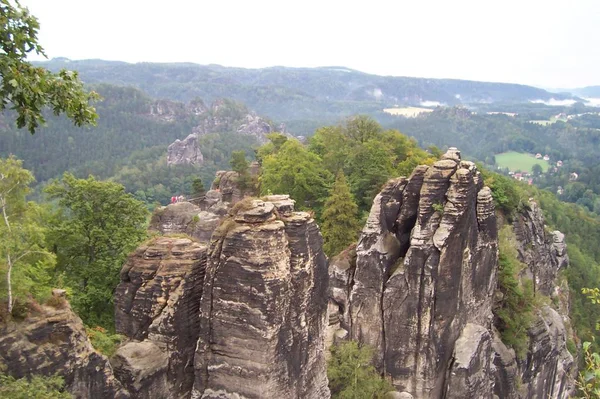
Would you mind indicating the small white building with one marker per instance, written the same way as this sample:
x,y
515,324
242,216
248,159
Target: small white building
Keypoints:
x,y
546,157
538,156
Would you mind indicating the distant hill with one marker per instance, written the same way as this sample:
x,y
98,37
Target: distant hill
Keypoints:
x,y
288,94
589,91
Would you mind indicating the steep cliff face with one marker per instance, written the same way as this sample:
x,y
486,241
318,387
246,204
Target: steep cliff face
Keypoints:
x,y
54,341
425,270
157,306
419,288
185,152
244,316
264,306
548,369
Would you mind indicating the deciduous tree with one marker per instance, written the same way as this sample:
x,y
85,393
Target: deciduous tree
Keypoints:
x,y
21,236
28,89
98,224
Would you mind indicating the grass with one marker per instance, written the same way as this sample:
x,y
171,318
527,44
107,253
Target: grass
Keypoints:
x,y
409,112
516,161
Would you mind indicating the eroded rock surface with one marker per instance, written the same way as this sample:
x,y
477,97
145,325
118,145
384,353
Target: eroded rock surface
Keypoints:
x,y
543,252
157,303
186,218
548,370
54,342
263,311
185,152
425,271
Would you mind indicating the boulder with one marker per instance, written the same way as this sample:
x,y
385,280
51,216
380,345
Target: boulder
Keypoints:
x,y
53,341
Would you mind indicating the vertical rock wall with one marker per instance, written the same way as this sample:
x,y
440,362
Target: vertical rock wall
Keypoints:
x,y
157,306
264,306
425,270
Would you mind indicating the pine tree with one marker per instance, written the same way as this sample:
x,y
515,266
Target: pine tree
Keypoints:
x,y
340,217
198,189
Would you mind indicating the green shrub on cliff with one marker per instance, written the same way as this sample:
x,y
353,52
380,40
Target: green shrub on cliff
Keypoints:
x,y
514,311
38,387
351,374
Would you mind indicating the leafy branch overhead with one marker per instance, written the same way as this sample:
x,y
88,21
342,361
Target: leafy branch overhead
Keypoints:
x,y
28,89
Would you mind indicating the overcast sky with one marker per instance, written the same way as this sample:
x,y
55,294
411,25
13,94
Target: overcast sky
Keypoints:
x,y
546,43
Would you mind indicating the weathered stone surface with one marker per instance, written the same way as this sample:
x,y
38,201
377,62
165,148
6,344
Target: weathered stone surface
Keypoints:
x,y
185,152
547,372
185,218
158,302
543,253
425,268
263,317
54,342
255,126
549,363
470,375
142,368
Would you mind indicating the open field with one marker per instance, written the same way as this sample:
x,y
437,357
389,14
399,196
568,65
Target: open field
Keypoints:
x,y
409,112
518,161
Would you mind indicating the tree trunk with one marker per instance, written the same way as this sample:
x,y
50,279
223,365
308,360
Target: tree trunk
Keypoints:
x,y
10,300
10,264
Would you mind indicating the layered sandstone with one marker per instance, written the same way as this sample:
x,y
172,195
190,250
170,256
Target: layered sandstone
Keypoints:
x,y
157,307
53,341
264,304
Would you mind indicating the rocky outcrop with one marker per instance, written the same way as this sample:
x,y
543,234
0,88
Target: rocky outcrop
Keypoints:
x,y
544,253
242,317
54,341
157,306
421,290
186,218
185,152
548,369
263,315
255,126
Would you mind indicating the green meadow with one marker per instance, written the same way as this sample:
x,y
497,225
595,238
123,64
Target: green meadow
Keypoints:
x,y
518,161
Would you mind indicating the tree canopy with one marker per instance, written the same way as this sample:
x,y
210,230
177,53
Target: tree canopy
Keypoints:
x,y
96,226
340,217
27,89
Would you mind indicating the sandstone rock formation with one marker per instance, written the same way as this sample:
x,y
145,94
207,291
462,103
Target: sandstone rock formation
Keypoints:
x,y
548,370
185,152
242,317
543,253
186,218
257,127
263,315
54,341
421,289
157,306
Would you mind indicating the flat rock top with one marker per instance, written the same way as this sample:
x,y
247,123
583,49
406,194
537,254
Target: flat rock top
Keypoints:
x,y
445,164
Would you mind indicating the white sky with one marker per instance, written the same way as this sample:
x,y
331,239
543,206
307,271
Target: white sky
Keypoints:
x,y
547,43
